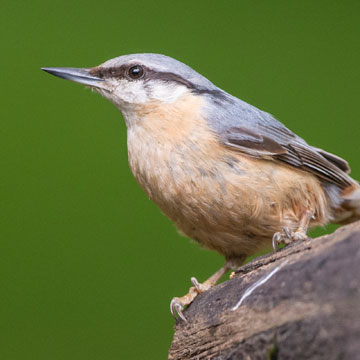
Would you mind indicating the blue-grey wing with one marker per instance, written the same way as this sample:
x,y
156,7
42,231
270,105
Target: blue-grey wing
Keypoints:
x,y
269,138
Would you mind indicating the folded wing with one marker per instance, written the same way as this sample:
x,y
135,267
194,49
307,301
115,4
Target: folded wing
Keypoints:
x,y
280,144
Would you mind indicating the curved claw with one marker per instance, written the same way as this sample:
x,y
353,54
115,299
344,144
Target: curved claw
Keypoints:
x,y
177,304
276,240
200,287
196,284
287,232
176,309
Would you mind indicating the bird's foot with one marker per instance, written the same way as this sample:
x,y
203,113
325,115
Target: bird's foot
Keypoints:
x,y
287,237
201,287
232,275
178,304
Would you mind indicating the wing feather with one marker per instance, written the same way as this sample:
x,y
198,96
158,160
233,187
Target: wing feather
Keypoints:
x,y
283,145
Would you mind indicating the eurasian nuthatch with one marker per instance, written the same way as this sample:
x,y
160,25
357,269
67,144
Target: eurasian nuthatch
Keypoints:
x,y
227,174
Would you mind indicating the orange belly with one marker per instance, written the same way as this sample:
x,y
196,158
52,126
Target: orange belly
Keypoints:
x,y
225,200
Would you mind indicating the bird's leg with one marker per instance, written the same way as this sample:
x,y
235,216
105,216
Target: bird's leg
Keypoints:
x,y
212,280
287,236
177,304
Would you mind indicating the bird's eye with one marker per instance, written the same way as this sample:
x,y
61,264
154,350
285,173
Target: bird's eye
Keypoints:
x,y
136,72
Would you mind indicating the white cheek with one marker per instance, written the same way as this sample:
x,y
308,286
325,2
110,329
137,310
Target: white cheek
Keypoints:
x,y
166,92
131,92
123,93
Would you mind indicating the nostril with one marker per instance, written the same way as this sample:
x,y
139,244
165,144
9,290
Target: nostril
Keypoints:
x,y
97,71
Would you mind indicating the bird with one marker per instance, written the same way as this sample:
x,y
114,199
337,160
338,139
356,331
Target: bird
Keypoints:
x,y
227,174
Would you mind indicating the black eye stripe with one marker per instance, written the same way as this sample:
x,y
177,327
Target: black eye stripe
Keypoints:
x,y
121,72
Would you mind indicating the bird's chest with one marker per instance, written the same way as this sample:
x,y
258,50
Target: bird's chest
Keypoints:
x,y
150,162
169,168
170,147
220,198
202,189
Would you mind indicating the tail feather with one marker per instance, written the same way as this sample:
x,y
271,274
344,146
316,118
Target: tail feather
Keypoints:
x,y
349,210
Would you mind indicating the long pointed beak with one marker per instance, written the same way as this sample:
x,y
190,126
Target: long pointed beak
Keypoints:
x,y
81,76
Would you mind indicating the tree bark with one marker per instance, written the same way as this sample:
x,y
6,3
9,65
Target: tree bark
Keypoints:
x,y
302,302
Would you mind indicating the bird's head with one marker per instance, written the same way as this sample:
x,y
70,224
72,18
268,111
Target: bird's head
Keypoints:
x,y
133,82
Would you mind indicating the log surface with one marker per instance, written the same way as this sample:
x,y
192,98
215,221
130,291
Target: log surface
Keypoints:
x,y
308,309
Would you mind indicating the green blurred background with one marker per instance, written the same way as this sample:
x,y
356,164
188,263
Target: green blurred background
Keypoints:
x,y
88,264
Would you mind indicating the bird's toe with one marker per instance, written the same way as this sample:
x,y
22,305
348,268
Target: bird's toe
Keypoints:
x,y
177,304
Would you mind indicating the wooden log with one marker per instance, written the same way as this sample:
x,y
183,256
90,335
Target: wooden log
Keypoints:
x,y
302,302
